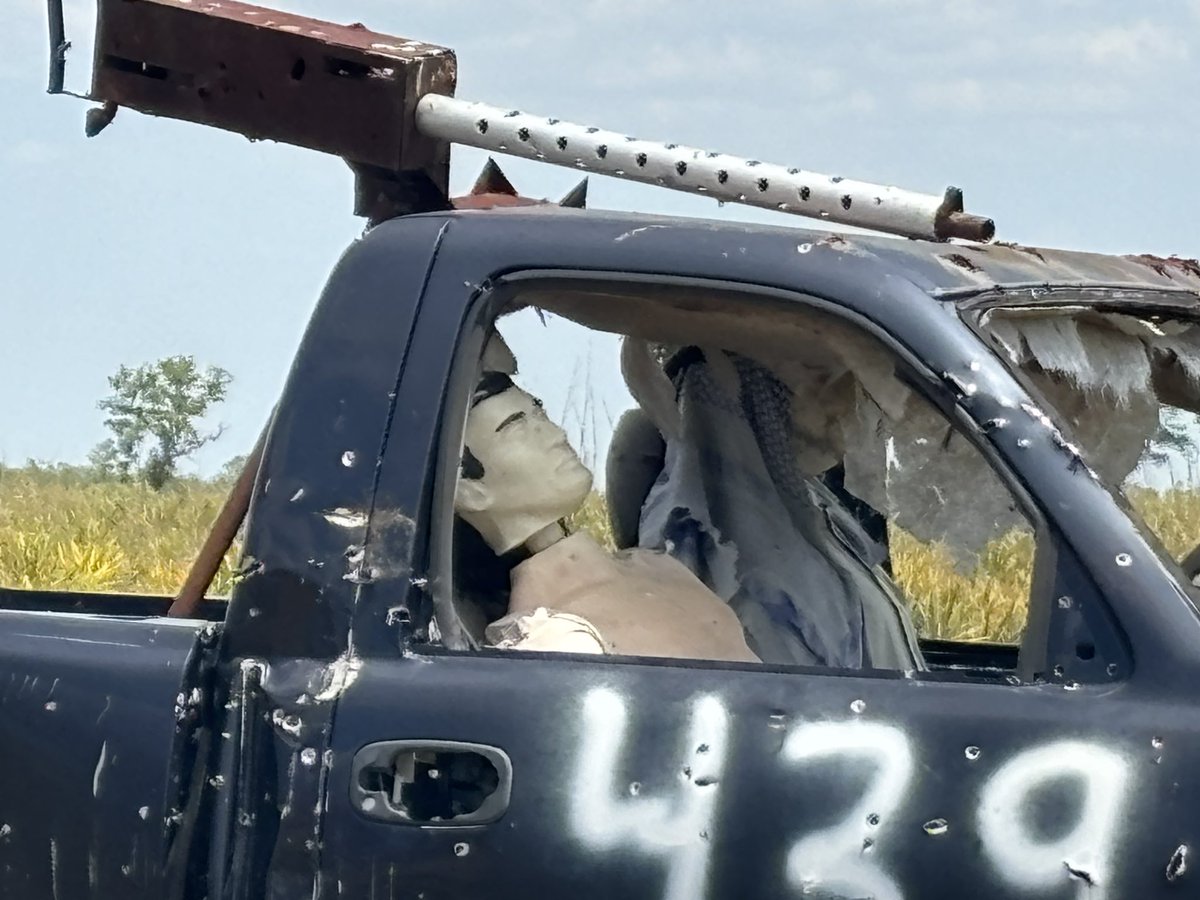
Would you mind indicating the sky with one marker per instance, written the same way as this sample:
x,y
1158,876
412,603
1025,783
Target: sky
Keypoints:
x,y
1072,124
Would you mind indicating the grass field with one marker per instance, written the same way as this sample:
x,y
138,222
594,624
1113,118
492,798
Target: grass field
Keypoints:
x,y
61,530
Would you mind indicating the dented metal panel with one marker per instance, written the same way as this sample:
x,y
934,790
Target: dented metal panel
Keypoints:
x,y
270,75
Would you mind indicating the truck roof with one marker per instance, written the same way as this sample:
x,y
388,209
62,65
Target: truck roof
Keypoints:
x,y
945,270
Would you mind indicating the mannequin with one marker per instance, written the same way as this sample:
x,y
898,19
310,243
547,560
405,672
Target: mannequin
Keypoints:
x,y
520,479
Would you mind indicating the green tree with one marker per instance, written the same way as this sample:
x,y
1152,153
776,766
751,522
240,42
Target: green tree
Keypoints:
x,y
231,471
154,414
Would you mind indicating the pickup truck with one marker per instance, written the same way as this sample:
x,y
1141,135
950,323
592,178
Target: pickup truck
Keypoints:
x,y
332,729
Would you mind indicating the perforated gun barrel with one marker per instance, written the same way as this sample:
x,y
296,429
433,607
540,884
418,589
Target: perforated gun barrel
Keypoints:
x,y
723,177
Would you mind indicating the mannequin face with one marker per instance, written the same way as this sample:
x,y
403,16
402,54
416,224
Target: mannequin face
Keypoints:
x,y
531,476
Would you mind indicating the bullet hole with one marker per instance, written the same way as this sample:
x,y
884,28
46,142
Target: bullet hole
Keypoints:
x,y
522,134
1156,743
552,121
1124,560
804,193
562,143
1058,671
936,827
1178,864
461,849
602,151
763,184
670,146
298,68
592,130
641,159
752,163
1064,602
681,167
793,171
857,706
846,201
1085,650
482,126
511,113
1079,874
1111,669
836,179
873,819
722,176
972,753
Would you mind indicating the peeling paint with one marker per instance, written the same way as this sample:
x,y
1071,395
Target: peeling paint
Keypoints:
x,y
340,675
345,518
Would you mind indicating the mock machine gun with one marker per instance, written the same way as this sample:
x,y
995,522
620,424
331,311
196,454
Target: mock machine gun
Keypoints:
x,y
386,105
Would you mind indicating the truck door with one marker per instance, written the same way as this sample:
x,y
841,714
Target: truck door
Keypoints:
x,y
100,728
1007,767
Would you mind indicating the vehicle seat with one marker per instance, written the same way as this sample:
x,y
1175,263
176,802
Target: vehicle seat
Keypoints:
x,y
635,460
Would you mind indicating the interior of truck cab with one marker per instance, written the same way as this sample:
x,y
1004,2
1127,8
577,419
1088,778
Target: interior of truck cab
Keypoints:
x,y
782,462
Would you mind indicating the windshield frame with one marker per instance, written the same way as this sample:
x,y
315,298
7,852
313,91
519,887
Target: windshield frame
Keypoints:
x,y
1177,303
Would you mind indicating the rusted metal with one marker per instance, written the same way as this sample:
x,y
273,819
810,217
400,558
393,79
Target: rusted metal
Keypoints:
x,y
493,190
339,89
1165,265
99,118
220,538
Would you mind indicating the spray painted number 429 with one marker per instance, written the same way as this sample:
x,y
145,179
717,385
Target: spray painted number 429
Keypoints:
x,y
848,858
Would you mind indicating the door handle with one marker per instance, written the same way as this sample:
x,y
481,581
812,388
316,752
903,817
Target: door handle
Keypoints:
x,y
431,783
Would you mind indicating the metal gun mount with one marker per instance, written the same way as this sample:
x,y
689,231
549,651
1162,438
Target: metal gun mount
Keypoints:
x,y
385,105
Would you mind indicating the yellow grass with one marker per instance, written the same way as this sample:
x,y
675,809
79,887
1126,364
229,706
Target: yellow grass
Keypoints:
x,y
58,530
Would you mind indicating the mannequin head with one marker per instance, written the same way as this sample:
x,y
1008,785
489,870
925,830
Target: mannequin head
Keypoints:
x,y
519,474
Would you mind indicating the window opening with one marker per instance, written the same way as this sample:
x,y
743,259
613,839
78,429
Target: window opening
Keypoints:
x,y
737,480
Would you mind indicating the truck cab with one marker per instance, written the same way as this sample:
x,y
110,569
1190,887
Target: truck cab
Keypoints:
x,y
341,725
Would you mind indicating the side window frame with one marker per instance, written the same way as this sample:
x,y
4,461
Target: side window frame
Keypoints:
x,y
1045,652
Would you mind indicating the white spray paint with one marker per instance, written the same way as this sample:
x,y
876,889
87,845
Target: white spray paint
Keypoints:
x,y
836,860
605,814
1022,858
610,813
98,774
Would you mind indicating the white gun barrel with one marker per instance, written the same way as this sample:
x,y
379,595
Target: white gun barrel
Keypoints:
x,y
726,178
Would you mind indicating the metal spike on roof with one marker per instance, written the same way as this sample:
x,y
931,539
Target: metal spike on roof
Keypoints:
x,y
720,176
492,180
576,197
